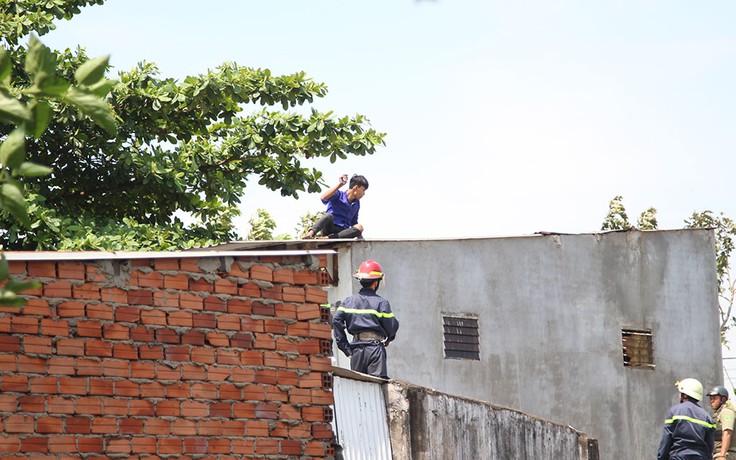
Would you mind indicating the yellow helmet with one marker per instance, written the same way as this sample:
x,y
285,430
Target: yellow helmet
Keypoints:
x,y
691,387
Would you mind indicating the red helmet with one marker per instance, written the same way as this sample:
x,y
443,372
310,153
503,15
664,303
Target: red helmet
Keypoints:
x,y
369,270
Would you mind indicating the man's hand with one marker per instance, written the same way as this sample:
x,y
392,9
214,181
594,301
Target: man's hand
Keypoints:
x,y
343,180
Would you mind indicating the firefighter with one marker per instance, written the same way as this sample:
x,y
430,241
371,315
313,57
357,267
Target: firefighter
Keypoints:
x,y
369,319
688,430
725,416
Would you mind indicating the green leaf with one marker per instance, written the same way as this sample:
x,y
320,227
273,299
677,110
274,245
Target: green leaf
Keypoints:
x,y
53,86
40,61
10,299
28,169
4,268
102,88
20,286
6,67
92,71
12,110
13,149
92,106
41,118
11,198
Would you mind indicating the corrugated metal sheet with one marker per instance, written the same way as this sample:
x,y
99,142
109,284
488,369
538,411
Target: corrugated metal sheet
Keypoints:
x,y
360,419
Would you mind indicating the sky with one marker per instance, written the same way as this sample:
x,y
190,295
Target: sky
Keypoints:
x,y
502,118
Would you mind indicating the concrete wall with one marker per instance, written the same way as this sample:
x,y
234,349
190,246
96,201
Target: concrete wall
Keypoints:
x,y
166,356
428,425
550,311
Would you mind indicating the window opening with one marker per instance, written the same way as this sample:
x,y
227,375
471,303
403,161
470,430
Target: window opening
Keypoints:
x,y
638,348
461,337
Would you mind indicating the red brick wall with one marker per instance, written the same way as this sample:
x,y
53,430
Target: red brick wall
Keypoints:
x,y
188,358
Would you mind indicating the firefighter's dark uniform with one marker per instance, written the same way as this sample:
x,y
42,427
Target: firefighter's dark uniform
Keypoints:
x,y
369,319
688,434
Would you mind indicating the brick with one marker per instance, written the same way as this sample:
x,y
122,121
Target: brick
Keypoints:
x,y
166,299
203,355
140,297
125,314
57,288
316,295
180,281
60,405
139,408
216,446
153,390
89,329
244,446
144,445
221,410
194,372
116,368
200,285
272,292
70,309
196,445
180,353
166,264
217,339
140,263
212,428
167,336
71,270
260,308
251,358
33,404
37,345
156,426
308,312
168,408
225,286
274,326
41,269
284,276
237,269
78,425
31,444
124,351
90,445
89,406
190,265
249,290
266,376
244,410
203,320
300,329
164,372
274,359
131,426
94,274
70,347
218,373
241,375
98,348
228,391
285,311
18,423
61,366
293,294
8,403
265,446
89,367
241,340
101,387
261,272
305,277
115,406
264,341
49,425
183,428
141,334
36,307
191,301
118,446
153,317
8,363
179,390
99,311
151,279
24,325
151,352
116,331
44,385
143,370
193,337
239,306
179,319
113,295
87,291
104,425
228,322
17,267
291,447
54,327
213,303
73,385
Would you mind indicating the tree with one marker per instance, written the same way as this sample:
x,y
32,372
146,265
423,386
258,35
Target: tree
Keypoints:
x,y
26,111
306,221
262,226
617,219
181,147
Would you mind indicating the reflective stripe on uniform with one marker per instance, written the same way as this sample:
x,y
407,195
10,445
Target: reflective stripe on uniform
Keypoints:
x,y
691,420
360,311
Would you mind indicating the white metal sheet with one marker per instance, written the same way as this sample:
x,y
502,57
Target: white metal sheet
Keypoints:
x,y
361,420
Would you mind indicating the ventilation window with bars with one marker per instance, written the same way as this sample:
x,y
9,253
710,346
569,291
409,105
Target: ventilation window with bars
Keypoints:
x,y
461,336
638,348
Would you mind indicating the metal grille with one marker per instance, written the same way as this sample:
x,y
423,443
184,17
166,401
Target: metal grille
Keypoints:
x,y
462,339
638,348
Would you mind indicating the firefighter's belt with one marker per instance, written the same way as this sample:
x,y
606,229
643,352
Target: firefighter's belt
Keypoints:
x,y
368,336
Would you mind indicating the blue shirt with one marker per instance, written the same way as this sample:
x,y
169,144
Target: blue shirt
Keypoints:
x,y
344,213
688,432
